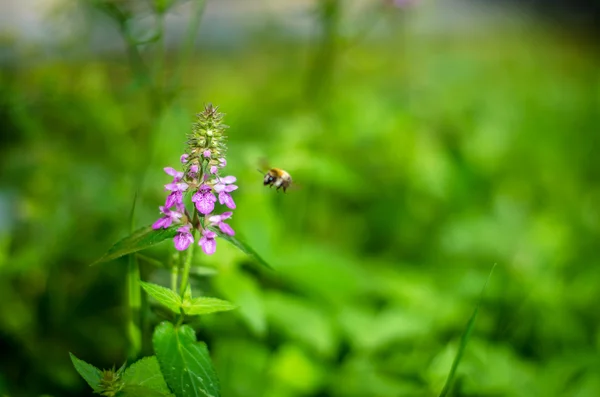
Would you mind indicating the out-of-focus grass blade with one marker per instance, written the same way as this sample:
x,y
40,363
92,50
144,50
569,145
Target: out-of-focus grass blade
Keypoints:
x,y
464,340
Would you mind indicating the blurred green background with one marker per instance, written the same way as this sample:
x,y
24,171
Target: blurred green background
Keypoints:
x,y
428,140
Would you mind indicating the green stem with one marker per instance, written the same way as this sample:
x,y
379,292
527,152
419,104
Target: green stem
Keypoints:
x,y
319,77
174,277
187,264
190,39
135,304
134,296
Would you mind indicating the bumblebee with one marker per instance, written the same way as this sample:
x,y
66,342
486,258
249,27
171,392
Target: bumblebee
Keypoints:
x,y
278,178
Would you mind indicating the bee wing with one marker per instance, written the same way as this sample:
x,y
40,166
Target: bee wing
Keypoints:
x,y
263,165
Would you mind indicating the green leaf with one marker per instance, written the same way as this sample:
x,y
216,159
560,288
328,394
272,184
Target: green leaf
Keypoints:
x,y
88,372
164,296
145,376
142,391
245,248
139,240
185,363
205,305
464,340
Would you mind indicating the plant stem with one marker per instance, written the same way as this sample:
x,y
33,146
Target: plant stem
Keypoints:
x,y
134,296
190,39
187,264
135,303
174,277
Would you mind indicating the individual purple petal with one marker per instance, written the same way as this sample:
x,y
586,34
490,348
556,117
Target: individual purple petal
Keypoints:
x,y
185,228
163,222
210,246
183,240
184,158
225,198
230,188
213,169
206,153
228,179
174,198
208,242
215,219
177,187
205,202
222,162
226,215
194,168
225,228
173,172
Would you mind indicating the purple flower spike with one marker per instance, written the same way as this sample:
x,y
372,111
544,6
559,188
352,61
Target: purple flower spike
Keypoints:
x,y
218,220
184,238
208,242
184,158
168,219
206,153
174,173
204,199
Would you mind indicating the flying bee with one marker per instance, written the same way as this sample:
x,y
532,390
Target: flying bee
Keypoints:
x,y
278,178
274,176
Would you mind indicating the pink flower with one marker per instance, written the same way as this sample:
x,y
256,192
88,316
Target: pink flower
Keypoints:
x,y
184,238
174,173
217,220
208,242
168,219
225,186
204,199
206,153
184,158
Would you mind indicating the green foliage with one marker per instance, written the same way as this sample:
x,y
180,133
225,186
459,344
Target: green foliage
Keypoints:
x,y
88,372
164,296
245,248
185,363
422,158
144,378
141,239
463,341
203,305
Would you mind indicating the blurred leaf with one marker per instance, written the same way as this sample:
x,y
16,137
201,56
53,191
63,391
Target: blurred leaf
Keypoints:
x,y
164,296
185,363
205,305
141,239
145,376
464,340
245,248
245,292
151,261
203,271
88,372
